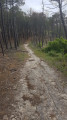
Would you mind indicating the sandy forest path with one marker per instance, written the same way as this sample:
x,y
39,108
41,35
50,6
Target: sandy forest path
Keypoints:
x,y
40,94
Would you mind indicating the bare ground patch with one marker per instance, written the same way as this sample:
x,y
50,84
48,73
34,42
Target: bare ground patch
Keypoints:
x,y
52,116
29,85
35,99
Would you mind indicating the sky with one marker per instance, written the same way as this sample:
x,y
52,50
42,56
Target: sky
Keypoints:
x,y
36,6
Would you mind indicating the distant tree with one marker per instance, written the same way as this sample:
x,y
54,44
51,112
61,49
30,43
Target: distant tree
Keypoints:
x,y
60,2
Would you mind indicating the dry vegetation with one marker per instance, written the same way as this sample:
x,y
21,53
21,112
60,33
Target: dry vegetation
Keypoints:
x,y
10,65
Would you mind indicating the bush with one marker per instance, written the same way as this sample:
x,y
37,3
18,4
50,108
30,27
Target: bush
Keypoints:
x,y
65,56
52,53
58,45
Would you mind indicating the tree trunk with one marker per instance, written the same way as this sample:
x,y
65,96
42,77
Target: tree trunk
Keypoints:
x,y
2,27
62,19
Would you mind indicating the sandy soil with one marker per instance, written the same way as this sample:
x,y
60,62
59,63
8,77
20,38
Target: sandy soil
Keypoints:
x,y
39,94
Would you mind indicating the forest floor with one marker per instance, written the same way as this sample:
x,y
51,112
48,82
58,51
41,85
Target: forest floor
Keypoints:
x,y
33,90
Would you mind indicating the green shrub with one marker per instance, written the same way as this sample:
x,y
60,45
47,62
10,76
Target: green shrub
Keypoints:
x,y
58,45
52,53
65,56
59,57
46,49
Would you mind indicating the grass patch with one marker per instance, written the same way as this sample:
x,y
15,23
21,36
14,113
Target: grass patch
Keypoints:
x,y
53,58
21,54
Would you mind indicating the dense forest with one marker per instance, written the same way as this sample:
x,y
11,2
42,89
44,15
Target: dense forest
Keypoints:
x,y
16,26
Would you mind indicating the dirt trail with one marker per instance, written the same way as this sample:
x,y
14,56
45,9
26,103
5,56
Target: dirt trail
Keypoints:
x,y
40,94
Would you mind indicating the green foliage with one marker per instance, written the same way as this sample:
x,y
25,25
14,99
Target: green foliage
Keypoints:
x,y
58,45
65,56
39,45
52,53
